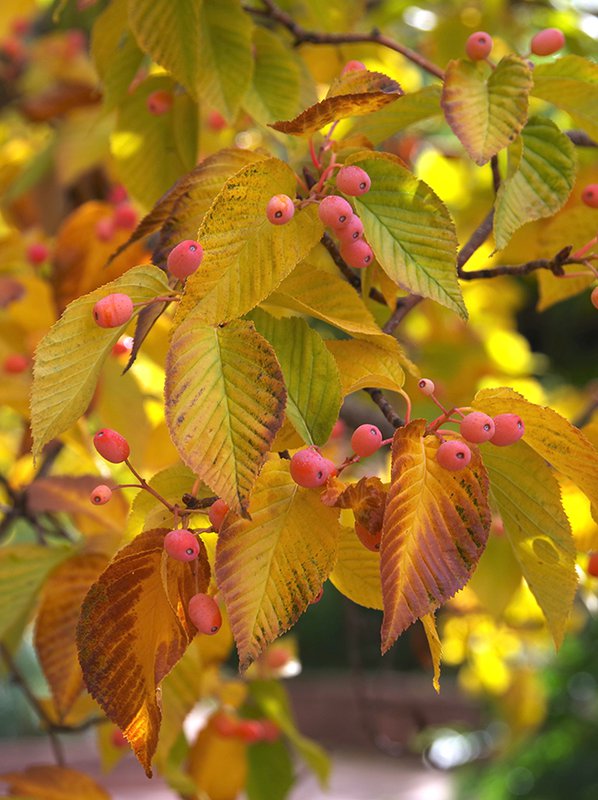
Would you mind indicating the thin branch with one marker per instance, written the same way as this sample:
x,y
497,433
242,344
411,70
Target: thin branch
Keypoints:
x,y
404,306
385,407
475,241
554,265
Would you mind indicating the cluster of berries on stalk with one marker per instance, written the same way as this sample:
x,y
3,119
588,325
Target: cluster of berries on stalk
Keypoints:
x,y
228,724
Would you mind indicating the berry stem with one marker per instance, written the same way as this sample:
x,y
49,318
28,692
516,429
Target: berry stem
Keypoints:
x,y
168,299
445,417
145,485
312,153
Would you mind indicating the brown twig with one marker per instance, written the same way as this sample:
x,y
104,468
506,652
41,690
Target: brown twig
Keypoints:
x,y
554,265
385,407
475,241
403,307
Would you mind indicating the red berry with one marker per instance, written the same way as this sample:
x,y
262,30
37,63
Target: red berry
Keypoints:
x,y
453,455
101,495
309,469
37,253
277,657
125,217
593,565
113,310
15,363
111,445
353,181
117,194
217,512
368,539
250,730
352,231
509,428
353,66
181,545
477,427
270,730
335,211
280,209
118,739
21,26
124,345
205,614
590,195
357,254
159,102
426,386
216,121
225,724
479,45
547,42
105,229
184,259
366,440
317,598
338,429
594,297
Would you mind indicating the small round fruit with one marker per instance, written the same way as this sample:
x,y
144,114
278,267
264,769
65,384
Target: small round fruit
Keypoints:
x,y
215,121
184,259
270,730
280,209
125,217
477,427
479,46
366,440
111,445
590,195
335,211
181,545
453,455
317,598
101,495
225,725
277,657
547,42
15,363
593,565
309,469
351,232
357,254
250,731
159,102
205,614
353,181
217,512
118,739
509,428
113,310
117,194
594,297
105,229
37,253
353,66
123,346
426,386
368,539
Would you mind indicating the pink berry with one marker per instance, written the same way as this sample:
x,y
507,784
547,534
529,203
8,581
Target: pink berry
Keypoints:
x,y
250,731
270,730
111,445
309,469
15,363
369,540
37,253
205,614
479,46
509,428
353,66
357,254
184,259
594,297
477,427
118,739
123,346
426,386
453,455
280,209
352,231
593,565
216,121
101,495
217,512
159,102
117,194
105,229
125,217
113,310
181,545
353,181
547,42
590,195
366,440
335,211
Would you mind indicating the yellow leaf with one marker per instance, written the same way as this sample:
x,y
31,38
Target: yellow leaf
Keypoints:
x,y
224,404
218,765
270,568
435,646
274,91
245,256
435,529
53,783
356,573
132,631
368,363
56,626
497,577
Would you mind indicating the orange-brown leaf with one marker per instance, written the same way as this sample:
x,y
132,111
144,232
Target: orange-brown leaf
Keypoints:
x,y
435,529
56,626
367,498
53,783
133,629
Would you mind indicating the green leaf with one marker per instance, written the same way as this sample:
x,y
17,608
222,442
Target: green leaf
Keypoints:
x,y
486,108
414,107
541,183
245,256
271,774
529,501
570,83
310,374
69,358
410,231
115,53
225,397
274,92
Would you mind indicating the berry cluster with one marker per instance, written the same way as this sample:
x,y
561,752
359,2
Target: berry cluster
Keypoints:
x,y
124,216
230,726
479,45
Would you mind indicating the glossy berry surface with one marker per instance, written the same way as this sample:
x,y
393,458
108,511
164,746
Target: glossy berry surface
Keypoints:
x,y
369,540
590,195
125,217
594,297
113,310
309,469
353,181
181,545
100,495
593,565
280,209
453,455
353,66
547,42
184,259
37,253
111,445
159,102
335,211
205,614
357,254
366,440
352,231
15,363
477,427
509,428
426,386
479,46
217,512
